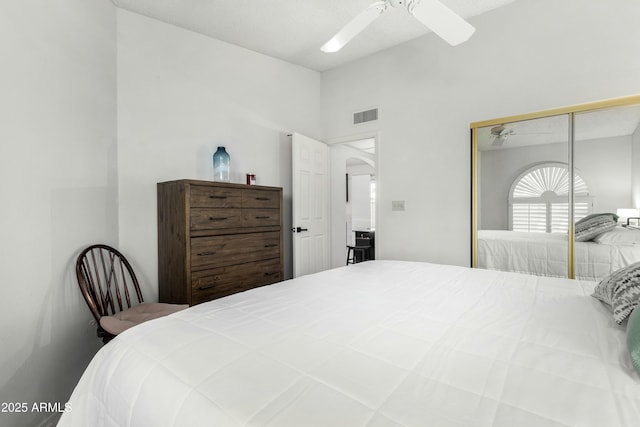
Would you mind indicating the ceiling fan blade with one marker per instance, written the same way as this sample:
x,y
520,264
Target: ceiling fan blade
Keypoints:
x,y
497,130
498,141
441,20
355,26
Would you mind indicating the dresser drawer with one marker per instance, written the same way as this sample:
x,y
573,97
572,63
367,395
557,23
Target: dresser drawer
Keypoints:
x,y
260,199
219,282
215,197
214,218
258,217
216,238
217,251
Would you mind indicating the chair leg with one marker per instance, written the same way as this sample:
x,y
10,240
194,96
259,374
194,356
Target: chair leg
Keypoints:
x,y
350,255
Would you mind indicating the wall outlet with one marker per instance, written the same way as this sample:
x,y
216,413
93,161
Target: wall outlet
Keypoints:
x,y
397,205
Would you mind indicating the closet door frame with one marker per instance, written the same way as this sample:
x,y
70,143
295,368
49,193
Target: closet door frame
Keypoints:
x,y
571,111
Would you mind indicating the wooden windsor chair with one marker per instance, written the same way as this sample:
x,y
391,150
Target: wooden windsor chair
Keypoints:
x,y
112,292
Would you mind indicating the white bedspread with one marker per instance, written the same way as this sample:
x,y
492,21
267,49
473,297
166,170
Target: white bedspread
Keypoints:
x,y
380,343
546,254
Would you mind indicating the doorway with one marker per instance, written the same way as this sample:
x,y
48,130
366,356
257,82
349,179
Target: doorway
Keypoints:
x,y
353,194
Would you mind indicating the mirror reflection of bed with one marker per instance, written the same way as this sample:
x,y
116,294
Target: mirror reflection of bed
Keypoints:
x,y
523,195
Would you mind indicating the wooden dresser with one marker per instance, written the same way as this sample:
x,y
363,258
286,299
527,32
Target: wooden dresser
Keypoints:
x,y
216,239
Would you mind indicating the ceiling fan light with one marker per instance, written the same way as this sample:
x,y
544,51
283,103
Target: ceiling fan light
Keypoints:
x,y
354,27
441,20
332,45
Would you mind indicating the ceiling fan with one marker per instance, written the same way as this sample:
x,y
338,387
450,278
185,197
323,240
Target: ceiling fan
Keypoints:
x,y
432,13
501,133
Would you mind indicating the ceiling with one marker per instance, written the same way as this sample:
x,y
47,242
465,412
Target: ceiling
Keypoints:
x,y
294,30
607,123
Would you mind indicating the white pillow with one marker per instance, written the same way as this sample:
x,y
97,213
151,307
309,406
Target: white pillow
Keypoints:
x,y
619,235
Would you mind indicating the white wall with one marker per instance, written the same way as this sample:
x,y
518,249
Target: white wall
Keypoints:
x,y
604,164
181,94
58,190
527,56
360,199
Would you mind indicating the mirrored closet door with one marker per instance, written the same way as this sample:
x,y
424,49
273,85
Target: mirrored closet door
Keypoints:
x,y
539,177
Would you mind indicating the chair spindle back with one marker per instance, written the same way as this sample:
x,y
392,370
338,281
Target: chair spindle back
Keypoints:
x,y
105,277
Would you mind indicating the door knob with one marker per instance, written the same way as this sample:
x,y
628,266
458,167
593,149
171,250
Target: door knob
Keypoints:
x,y
299,229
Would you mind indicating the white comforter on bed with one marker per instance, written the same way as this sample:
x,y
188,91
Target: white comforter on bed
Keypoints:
x,y
546,254
380,343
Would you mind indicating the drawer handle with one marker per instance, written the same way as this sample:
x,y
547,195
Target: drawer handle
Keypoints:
x,y
262,198
272,273
217,197
270,245
263,217
202,288
220,218
206,253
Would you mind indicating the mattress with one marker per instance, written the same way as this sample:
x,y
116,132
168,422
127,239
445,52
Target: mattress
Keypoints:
x,y
381,343
546,254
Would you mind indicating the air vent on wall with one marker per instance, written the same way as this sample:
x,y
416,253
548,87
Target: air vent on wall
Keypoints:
x,y
365,116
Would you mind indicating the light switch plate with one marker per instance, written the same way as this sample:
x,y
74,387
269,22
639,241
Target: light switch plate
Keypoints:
x,y
397,205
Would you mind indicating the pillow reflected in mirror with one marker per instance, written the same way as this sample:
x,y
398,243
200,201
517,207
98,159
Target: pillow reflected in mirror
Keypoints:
x,y
593,225
619,235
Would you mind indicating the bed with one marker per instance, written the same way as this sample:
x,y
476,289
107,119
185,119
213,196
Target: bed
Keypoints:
x,y
381,343
545,254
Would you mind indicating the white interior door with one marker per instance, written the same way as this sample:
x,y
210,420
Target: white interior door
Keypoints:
x,y
310,205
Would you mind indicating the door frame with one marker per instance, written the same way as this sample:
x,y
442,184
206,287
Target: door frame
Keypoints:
x,y
343,140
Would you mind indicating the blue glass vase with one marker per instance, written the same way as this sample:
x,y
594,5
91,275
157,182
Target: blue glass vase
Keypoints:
x,y
221,164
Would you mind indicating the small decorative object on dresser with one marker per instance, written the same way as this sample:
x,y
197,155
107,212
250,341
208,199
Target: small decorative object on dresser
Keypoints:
x,y
216,239
221,165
